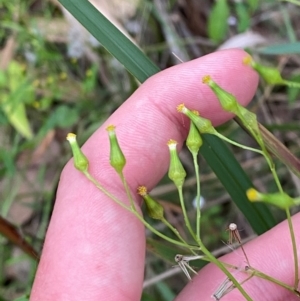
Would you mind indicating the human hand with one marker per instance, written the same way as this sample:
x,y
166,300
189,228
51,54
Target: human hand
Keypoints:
x,y
94,249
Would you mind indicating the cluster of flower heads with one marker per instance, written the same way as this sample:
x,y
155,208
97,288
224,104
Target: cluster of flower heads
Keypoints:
x,y
199,125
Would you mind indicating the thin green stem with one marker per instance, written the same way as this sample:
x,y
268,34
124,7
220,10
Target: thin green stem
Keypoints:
x,y
291,84
173,241
129,196
101,188
238,144
288,214
228,265
133,210
175,231
260,274
186,219
273,171
198,197
263,152
224,270
271,164
272,168
271,279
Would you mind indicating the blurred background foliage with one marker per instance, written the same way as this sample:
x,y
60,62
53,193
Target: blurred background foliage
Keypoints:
x,y
56,78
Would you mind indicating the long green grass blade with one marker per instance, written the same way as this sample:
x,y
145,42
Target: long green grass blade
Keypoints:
x,y
281,49
112,39
236,182
227,169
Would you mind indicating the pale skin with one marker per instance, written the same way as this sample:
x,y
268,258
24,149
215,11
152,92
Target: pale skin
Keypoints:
x,y
95,250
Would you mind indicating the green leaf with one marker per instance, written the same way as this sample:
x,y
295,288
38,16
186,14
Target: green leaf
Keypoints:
x,y
112,39
63,117
8,159
147,297
15,91
286,48
243,16
217,22
253,4
216,153
164,250
165,291
14,108
236,182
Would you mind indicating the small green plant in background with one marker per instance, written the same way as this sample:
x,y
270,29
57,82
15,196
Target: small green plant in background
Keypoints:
x,y
198,127
218,25
15,88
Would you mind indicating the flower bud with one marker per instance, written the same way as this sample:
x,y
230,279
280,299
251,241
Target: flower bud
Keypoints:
x,y
194,140
176,171
154,209
249,120
227,100
279,199
270,74
117,158
80,160
203,125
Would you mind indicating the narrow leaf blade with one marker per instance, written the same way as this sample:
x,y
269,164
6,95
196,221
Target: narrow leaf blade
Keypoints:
x,y
236,182
217,22
133,59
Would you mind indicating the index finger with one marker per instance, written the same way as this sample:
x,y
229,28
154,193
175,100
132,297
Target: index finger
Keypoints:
x,y
94,249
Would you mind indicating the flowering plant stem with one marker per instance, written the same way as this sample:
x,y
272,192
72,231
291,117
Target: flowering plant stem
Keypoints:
x,y
124,182
186,219
271,164
208,254
221,266
193,249
254,272
175,231
271,279
288,214
136,213
102,189
198,197
201,247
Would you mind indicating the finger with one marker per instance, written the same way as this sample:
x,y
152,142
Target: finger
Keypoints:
x,y
271,253
94,249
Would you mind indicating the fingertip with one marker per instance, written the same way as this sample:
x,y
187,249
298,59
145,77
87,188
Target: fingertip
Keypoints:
x,y
183,83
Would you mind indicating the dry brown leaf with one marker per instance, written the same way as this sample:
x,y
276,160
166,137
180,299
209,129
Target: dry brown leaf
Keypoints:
x,y
7,52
